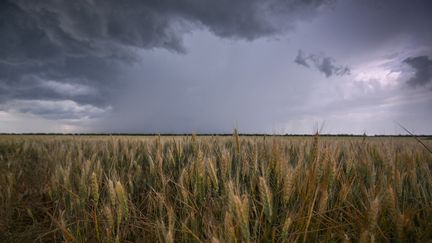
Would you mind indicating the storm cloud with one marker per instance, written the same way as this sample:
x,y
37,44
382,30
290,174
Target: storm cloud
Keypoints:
x,y
422,66
61,50
54,109
322,63
208,66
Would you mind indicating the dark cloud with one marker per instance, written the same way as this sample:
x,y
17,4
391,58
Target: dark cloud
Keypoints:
x,y
422,66
324,64
49,46
29,81
40,30
63,59
54,109
301,59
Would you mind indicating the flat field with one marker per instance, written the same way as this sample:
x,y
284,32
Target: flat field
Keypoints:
x,y
214,189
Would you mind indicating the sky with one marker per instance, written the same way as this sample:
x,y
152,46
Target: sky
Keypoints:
x,y
205,66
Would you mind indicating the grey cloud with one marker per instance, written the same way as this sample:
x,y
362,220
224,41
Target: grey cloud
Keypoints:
x,y
64,109
64,59
99,75
324,64
301,59
422,66
86,43
70,88
39,30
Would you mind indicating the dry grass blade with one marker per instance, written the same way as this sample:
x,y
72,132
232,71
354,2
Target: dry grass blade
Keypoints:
x,y
416,138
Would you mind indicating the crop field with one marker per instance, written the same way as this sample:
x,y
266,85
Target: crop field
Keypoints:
x,y
214,189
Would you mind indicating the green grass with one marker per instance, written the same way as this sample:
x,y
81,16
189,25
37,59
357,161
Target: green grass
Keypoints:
x,y
214,189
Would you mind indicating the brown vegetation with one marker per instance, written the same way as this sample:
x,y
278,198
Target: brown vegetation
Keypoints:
x,y
214,189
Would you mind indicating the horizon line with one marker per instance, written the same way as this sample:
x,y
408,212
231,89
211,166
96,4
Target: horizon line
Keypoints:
x,y
214,134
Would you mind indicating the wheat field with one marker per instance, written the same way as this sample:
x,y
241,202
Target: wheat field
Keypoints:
x,y
214,189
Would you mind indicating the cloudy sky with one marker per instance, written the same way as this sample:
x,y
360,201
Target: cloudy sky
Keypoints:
x,y
263,66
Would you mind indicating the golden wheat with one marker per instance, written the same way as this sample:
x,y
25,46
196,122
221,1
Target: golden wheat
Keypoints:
x,y
214,189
